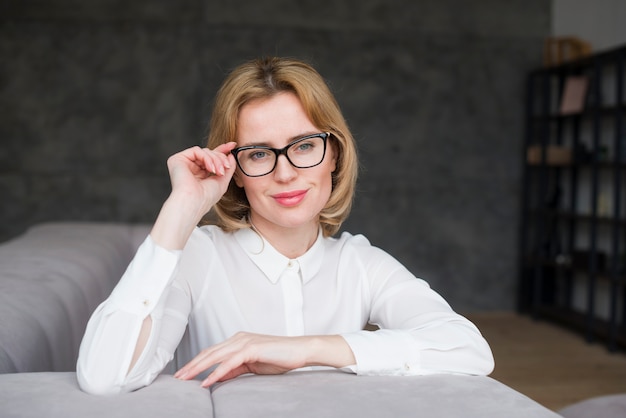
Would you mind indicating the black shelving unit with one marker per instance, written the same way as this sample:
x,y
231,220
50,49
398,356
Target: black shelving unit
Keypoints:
x,y
573,229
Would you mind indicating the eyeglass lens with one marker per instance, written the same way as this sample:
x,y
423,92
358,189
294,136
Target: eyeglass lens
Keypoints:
x,y
302,153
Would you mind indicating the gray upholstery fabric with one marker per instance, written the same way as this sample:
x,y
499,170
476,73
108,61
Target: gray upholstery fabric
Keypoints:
x,y
51,279
300,394
338,394
56,395
611,406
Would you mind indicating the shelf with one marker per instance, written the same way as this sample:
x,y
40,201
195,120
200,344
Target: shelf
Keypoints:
x,y
604,165
574,145
607,57
601,275
578,216
603,111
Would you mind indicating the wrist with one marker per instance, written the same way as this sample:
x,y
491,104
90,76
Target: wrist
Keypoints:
x,y
175,223
329,350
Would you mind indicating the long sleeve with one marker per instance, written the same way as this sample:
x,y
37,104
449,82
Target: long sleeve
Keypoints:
x,y
147,288
420,333
449,347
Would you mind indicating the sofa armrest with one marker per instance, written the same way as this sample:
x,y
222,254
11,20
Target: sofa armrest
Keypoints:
x,y
56,395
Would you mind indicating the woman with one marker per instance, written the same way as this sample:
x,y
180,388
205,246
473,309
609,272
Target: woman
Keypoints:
x,y
268,289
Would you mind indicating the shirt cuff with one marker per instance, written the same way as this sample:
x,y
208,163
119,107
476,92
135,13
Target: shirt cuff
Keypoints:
x,y
384,352
145,279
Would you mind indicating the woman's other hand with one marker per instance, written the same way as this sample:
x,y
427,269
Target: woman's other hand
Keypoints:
x,y
265,354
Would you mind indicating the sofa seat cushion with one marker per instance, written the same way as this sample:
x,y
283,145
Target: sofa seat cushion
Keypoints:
x,y
609,406
56,395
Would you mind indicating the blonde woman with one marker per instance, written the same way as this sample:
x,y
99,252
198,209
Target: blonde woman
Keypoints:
x,y
269,288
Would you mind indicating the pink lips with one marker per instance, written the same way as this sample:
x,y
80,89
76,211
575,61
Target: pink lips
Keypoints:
x,y
291,198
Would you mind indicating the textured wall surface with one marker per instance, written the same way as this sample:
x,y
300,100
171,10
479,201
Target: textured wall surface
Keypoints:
x,y
94,95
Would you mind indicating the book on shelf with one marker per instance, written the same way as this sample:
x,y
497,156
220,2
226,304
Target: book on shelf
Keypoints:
x,y
574,95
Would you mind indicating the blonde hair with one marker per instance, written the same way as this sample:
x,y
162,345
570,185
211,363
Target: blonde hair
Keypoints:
x,y
264,78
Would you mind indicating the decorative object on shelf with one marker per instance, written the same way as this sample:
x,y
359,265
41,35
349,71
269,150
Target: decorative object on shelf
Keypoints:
x,y
555,155
561,49
574,95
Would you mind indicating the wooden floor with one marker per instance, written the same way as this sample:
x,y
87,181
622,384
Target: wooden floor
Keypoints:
x,y
548,363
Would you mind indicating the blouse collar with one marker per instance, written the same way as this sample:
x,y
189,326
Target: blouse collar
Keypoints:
x,y
272,263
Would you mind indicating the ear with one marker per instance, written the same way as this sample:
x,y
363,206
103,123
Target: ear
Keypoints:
x,y
237,178
333,164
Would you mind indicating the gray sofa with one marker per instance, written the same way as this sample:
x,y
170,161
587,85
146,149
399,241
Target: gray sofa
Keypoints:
x,y
54,275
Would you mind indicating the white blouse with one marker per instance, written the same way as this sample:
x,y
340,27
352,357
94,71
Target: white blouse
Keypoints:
x,y
222,283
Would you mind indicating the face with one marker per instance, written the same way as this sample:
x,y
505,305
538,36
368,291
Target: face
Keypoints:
x,y
288,197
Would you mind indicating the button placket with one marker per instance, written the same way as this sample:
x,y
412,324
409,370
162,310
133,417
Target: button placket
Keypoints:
x,y
291,283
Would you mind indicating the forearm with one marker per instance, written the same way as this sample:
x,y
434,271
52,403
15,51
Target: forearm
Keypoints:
x,y
176,221
119,333
102,366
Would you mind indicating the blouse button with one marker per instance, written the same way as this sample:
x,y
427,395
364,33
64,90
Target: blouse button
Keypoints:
x,y
146,302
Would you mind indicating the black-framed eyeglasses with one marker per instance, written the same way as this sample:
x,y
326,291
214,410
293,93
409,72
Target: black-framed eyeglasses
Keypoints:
x,y
260,160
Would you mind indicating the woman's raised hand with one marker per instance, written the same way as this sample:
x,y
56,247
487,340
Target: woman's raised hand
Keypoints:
x,y
199,178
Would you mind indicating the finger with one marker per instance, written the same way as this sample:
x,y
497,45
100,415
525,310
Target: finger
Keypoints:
x,y
206,359
196,366
231,350
226,155
226,148
228,369
217,162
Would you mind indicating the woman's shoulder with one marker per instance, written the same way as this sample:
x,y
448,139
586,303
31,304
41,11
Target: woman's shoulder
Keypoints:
x,y
358,244
211,231
361,247
349,239
207,235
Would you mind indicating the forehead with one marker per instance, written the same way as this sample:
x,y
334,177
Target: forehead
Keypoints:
x,y
274,121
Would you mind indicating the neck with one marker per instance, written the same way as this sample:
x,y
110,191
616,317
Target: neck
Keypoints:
x,y
290,242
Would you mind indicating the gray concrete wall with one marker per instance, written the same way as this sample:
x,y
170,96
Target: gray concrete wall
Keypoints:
x,y
599,22
94,95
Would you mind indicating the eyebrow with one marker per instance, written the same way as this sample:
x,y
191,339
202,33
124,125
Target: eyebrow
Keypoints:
x,y
266,144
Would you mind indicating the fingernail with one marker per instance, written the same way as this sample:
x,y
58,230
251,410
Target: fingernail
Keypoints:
x,y
180,374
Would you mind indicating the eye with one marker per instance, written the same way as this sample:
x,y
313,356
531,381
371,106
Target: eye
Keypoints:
x,y
258,155
305,146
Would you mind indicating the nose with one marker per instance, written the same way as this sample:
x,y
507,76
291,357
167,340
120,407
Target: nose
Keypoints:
x,y
284,171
